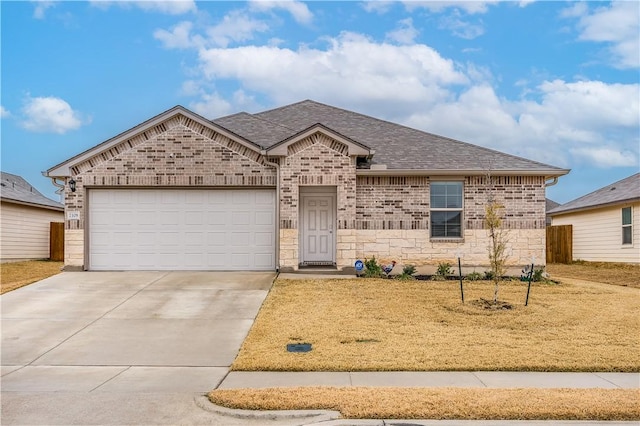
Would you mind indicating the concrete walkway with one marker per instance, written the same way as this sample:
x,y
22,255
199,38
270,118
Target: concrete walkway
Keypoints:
x,y
463,379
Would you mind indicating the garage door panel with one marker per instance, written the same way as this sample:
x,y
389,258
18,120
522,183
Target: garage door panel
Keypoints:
x,y
264,218
264,239
155,229
240,260
263,260
241,217
239,239
216,239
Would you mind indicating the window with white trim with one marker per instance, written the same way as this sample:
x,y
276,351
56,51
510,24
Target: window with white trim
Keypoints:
x,y
446,209
627,227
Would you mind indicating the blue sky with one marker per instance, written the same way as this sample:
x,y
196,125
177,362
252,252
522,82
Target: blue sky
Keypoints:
x,y
556,82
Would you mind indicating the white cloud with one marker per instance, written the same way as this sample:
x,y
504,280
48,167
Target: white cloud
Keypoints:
x,y
378,6
235,27
405,33
607,157
297,9
470,7
49,114
583,119
41,8
179,37
4,113
212,105
618,25
353,69
461,28
169,7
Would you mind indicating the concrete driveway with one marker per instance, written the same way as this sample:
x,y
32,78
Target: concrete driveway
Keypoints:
x,y
101,336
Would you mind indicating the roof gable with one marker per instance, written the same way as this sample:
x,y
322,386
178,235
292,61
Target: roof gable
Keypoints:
x,y
622,191
15,189
353,147
176,116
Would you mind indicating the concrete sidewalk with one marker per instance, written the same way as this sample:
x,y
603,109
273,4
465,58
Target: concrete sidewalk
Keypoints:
x,y
465,379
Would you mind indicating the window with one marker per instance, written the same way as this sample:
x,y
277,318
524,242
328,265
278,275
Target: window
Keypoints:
x,y
627,232
446,209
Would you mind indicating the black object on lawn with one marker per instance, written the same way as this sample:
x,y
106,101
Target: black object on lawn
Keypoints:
x,y
299,347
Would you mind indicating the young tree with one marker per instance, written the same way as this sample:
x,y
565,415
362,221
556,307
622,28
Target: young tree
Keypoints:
x,y
498,237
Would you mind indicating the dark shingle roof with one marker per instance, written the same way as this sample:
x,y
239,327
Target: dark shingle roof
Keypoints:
x,y
254,129
15,188
624,190
396,146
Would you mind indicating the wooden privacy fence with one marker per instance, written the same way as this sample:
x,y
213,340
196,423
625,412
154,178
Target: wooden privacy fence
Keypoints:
x,y
56,241
560,244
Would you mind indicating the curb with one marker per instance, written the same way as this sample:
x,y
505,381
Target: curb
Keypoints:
x,y
317,416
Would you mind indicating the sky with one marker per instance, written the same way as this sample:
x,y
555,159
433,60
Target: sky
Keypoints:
x,y
555,82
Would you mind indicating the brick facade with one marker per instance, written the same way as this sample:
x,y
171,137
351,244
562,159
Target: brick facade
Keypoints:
x,y
317,161
382,216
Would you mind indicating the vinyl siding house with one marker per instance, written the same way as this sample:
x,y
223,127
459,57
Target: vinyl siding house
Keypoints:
x,y
25,217
606,222
302,185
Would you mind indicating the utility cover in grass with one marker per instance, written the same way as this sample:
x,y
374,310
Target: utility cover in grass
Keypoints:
x,y
299,347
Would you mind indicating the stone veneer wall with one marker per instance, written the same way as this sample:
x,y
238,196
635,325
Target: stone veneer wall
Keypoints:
x,y
393,221
414,247
176,153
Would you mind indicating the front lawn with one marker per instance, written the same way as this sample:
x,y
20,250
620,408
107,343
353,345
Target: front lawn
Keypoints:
x,y
442,403
14,275
380,324
625,274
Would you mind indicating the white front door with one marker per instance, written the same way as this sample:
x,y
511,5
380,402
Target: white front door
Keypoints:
x,y
318,233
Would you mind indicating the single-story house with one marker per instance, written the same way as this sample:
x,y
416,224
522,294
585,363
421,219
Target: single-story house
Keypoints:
x,y
304,184
606,222
25,217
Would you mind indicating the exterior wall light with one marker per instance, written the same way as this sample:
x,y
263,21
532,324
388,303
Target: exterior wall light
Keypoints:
x,y
72,185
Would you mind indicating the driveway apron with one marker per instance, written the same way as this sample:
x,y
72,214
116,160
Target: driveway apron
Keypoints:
x,y
159,332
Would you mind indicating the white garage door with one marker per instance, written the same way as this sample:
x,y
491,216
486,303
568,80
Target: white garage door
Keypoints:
x,y
181,229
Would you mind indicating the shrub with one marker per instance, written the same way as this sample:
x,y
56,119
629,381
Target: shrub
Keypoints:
x,y
488,275
538,274
407,273
474,276
408,270
372,268
444,269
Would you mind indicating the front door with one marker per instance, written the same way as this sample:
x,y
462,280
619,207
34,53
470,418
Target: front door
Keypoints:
x,y
318,233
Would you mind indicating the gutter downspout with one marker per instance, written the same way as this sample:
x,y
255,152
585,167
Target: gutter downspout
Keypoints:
x,y
277,167
553,182
60,186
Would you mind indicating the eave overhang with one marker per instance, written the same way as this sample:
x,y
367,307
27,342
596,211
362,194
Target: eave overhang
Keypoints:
x,y
595,207
547,173
354,148
25,203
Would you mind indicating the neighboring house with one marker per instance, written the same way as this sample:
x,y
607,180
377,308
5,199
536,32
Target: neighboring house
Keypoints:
x,y
25,217
304,184
550,205
606,222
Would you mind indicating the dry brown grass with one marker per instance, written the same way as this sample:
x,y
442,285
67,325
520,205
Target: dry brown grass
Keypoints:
x,y
623,274
443,403
14,275
379,324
